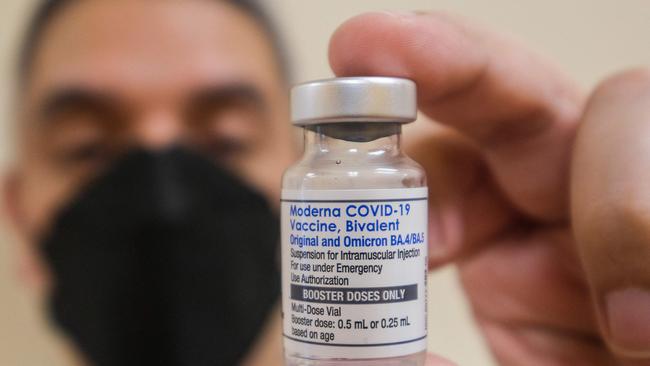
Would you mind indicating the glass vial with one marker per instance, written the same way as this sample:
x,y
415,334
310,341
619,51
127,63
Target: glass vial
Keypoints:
x,y
354,228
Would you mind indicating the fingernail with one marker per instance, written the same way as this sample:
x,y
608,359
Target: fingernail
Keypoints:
x,y
628,321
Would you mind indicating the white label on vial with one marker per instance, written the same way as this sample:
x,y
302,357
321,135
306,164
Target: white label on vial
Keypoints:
x,y
354,268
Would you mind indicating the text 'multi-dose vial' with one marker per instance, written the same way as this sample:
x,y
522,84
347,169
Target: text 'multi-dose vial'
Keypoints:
x,y
354,228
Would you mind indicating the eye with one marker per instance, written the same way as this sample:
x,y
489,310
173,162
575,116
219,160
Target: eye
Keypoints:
x,y
79,140
226,148
87,152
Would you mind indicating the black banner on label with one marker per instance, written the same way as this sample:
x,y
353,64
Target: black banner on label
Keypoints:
x,y
370,295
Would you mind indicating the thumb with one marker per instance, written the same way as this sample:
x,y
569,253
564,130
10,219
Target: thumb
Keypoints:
x,y
610,192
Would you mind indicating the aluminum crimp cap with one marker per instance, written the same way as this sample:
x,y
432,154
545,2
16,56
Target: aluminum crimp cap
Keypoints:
x,y
354,99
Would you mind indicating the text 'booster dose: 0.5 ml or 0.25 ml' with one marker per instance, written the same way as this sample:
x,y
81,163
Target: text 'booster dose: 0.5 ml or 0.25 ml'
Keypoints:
x,y
354,228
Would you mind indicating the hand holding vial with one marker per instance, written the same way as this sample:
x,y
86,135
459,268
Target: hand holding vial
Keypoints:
x,y
553,256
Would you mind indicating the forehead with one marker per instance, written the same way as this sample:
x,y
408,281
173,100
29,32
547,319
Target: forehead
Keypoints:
x,y
147,46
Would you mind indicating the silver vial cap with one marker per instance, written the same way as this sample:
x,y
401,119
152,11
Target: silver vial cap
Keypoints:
x,y
354,99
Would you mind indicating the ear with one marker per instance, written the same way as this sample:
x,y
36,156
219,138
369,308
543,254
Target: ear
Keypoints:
x,y
29,268
11,207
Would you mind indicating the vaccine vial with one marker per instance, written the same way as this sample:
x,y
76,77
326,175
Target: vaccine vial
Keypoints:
x,y
354,228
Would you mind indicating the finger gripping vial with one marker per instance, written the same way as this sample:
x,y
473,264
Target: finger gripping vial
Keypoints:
x,y
354,228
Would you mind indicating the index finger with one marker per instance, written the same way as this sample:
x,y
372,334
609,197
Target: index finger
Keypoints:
x,y
517,107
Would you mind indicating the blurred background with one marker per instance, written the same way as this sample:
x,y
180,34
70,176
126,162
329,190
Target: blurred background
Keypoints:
x,y
588,38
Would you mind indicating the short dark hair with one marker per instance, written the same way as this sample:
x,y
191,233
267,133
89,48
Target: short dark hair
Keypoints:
x,y
47,10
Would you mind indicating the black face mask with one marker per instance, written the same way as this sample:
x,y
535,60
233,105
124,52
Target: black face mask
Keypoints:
x,y
164,260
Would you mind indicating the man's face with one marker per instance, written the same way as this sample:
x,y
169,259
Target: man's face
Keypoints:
x,y
111,75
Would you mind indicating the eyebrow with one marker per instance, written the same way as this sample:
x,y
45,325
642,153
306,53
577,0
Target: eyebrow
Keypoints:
x,y
228,95
75,98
